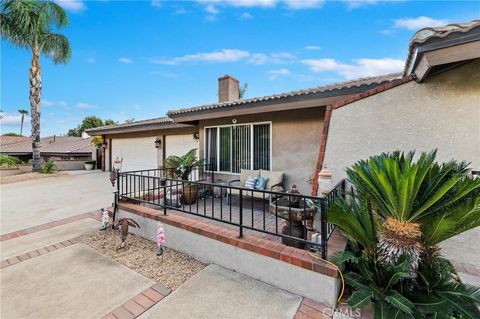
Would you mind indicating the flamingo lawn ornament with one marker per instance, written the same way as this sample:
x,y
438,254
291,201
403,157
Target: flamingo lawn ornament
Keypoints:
x,y
123,224
160,238
105,219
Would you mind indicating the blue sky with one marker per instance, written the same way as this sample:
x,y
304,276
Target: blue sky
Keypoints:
x,y
139,59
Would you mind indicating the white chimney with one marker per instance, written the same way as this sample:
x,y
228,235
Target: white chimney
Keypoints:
x,y
85,135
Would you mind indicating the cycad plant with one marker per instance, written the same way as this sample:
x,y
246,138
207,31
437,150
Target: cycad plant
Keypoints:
x,y
397,213
28,24
182,166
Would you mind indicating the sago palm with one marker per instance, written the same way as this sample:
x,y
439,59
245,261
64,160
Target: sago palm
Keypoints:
x,y
28,24
182,166
419,201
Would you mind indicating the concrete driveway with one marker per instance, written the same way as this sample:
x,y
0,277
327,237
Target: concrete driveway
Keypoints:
x,y
29,203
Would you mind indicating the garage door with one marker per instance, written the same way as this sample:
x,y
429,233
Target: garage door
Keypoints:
x,y
137,153
179,144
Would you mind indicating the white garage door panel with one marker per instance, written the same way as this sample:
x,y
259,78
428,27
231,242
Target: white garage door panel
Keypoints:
x,y
179,144
138,153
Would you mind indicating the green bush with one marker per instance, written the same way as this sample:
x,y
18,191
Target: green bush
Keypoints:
x,y
48,168
8,161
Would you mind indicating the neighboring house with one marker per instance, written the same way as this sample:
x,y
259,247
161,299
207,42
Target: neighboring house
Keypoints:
x,y
296,132
67,152
278,132
435,105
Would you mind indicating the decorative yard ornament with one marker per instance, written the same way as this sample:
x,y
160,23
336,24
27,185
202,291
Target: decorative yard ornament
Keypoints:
x,y
325,180
105,219
160,238
123,224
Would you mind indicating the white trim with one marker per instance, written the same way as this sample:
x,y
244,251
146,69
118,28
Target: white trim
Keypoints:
x,y
231,151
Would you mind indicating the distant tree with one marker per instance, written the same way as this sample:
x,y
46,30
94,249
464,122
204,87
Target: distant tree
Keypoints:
x,y
11,134
28,24
130,120
242,90
23,112
87,123
110,122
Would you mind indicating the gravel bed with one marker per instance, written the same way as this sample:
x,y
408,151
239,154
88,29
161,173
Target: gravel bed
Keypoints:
x,y
171,269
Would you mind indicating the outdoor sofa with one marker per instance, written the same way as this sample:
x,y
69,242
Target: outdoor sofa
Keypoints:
x,y
274,183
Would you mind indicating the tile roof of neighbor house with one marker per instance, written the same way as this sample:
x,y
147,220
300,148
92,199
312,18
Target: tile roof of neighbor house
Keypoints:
x,y
156,121
430,35
357,83
7,140
50,145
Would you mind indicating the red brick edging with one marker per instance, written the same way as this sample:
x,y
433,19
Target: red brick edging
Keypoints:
x,y
37,252
93,214
134,307
291,255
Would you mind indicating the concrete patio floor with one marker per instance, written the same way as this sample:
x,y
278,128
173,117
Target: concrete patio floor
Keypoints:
x,y
216,292
72,282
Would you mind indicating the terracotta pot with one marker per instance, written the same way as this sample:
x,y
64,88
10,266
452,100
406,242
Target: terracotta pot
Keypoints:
x,y
190,194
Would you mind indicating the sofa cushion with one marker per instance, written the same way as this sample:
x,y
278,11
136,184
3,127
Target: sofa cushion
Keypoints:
x,y
274,177
244,173
250,182
261,183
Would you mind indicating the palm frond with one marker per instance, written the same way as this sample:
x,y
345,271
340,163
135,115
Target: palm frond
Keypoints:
x,y
56,46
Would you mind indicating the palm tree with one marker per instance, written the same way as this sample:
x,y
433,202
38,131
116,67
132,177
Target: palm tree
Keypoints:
x,y
28,24
23,112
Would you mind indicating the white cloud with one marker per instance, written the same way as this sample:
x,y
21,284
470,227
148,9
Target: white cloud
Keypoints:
x,y
72,5
47,103
84,106
312,47
181,11
13,120
304,4
125,60
91,60
274,74
211,9
353,4
156,3
222,56
245,16
275,58
359,67
418,23
242,3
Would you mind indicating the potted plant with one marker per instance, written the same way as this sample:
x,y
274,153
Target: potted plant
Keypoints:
x,y
89,165
181,167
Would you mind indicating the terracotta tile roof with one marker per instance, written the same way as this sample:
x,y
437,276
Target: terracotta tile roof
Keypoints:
x,y
315,90
434,34
59,144
155,121
7,140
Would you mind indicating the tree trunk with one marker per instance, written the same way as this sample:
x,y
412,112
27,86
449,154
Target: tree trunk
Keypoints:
x,y
35,95
21,125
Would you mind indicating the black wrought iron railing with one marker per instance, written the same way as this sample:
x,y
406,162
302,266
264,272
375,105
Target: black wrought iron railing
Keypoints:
x,y
270,212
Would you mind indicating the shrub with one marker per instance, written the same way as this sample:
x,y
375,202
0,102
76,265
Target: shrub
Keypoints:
x,y
48,168
396,215
8,161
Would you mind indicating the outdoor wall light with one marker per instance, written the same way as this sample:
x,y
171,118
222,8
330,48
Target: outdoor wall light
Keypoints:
x,y
234,121
325,180
196,136
158,142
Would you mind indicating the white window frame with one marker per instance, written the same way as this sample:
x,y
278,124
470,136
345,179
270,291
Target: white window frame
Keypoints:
x,y
251,144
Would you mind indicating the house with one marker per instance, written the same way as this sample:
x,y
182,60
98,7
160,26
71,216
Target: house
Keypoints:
x,y
436,104
278,132
67,152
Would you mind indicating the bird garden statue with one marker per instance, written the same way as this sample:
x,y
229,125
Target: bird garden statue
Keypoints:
x,y
123,224
160,239
105,219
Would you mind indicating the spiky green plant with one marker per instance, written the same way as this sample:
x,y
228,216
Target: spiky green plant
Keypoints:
x,y
28,24
182,166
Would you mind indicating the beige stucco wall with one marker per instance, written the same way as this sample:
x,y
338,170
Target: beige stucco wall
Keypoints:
x,y
295,141
443,112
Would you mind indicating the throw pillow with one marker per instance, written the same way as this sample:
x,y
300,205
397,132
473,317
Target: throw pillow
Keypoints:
x,y
261,183
250,182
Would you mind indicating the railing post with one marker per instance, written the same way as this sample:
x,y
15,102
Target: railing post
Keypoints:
x,y
164,196
323,226
115,208
240,235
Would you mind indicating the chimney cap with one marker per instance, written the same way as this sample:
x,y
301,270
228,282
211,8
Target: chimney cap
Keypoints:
x,y
226,76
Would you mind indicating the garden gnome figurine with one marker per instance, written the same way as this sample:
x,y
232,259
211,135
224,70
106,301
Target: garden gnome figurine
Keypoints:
x,y
105,219
123,224
160,238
